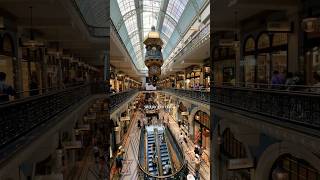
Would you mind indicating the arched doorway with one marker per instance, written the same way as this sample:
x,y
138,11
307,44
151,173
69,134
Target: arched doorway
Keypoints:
x,y
202,129
295,168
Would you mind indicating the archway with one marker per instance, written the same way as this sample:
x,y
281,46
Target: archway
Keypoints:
x,y
202,129
276,150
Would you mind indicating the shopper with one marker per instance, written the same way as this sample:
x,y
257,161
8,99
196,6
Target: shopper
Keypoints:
x,y
181,137
289,81
277,80
5,89
96,153
316,86
34,84
167,168
197,167
139,124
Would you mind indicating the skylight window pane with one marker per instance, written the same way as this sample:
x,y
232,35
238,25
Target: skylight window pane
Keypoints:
x,y
131,24
167,27
175,8
126,6
151,5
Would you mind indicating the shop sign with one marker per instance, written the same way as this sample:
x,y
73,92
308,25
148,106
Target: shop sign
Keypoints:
x,y
245,163
73,145
283,26
184,113
127,118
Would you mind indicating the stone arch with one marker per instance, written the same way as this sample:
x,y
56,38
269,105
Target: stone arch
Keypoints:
x,y
192,114
274,151
195,110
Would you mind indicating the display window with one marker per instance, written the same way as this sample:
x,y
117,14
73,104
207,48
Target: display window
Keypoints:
x,y
260,61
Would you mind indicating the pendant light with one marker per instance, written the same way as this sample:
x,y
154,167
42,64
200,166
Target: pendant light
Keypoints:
x,y
310,22
279,173
32,43
236,42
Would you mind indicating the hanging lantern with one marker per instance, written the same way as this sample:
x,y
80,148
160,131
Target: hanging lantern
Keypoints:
x,y
153,58
280,174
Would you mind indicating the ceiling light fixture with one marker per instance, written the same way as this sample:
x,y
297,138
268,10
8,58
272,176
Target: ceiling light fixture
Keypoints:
x,y
32,43
236,41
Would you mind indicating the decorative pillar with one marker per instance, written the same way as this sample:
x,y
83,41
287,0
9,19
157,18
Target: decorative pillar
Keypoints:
x,y
293,43
237,64
43,67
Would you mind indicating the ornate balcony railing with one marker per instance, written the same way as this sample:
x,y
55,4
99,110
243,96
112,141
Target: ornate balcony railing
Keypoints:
x,y
300,108
118,98
20,117
196,95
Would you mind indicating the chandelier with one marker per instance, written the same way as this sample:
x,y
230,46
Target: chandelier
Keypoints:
x,y
153,58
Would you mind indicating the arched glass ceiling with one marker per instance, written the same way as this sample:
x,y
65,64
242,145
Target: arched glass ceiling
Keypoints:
x,y
139,16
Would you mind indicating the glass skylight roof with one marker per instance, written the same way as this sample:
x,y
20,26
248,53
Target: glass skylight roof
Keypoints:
x,y
149,16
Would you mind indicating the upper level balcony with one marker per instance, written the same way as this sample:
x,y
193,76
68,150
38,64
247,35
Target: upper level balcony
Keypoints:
x,y
22,120
296,108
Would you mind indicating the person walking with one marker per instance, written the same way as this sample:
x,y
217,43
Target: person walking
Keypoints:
x,y
181,137
197,167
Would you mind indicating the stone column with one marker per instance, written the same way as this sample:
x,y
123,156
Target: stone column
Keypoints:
x,y
237,65
293,43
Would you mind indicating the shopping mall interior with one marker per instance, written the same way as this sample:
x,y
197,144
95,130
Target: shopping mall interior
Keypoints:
x,y
159,89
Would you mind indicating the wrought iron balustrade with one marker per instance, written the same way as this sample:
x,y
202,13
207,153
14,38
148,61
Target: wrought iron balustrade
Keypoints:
x,y
197,95
118,98
301,108
20,117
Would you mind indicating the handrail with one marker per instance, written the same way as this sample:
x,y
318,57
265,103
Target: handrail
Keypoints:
x,y
274,87
294,107
196,95
117,99
20,117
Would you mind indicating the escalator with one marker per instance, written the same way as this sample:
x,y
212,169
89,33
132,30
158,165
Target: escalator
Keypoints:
x,y
151,140
155,142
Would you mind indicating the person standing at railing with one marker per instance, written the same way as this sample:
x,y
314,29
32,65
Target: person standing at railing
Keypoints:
x,y
277,80
316,86
34,85
5,89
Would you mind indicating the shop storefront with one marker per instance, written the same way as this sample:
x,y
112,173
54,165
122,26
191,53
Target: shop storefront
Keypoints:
x,y
202,129
263,56
180,80
224,66
206,78
6,60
